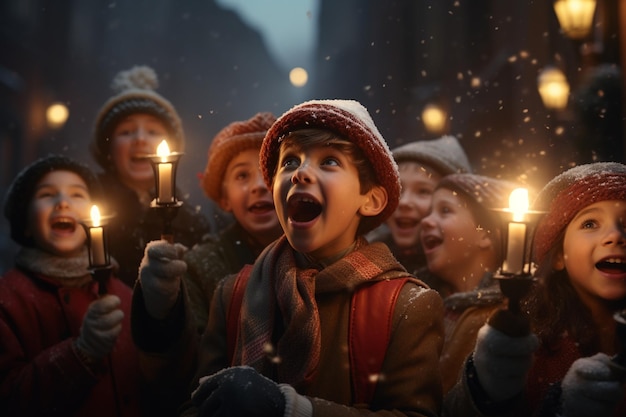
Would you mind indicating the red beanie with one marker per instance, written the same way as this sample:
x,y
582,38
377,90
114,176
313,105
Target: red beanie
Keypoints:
x,y
350,120
230,141
570,192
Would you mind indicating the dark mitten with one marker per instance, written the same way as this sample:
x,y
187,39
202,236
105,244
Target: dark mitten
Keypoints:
x,y
592,387
101,326
160,274
239,391
502,361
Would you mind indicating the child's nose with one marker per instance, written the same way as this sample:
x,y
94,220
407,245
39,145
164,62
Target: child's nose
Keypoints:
x,y
617,235
302,174
62,201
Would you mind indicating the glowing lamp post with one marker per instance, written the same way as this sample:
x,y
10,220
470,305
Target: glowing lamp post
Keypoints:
x,y
97,244
515,274
553,88
575,17
164,165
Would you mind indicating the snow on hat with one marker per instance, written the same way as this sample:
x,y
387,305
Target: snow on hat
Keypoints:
x,y
571,191
445,155
230,141
135,93
490,193
22,189
350,120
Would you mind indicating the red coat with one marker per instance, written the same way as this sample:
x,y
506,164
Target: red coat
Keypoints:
x,y
40,372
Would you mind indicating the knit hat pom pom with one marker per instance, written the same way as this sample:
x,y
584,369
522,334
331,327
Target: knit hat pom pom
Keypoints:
x,y
139,77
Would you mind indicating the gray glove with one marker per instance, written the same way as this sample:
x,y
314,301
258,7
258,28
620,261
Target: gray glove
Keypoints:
x,y
502,362
160,274
593,386
101,326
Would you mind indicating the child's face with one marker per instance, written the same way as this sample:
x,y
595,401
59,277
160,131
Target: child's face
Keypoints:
x,y
418,183
60,201
318,200
136,135
594,252
246,196
451,238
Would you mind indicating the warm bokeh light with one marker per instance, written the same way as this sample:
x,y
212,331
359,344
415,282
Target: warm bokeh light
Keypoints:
x,y
553,88
575,17
57,114
298,77
434,118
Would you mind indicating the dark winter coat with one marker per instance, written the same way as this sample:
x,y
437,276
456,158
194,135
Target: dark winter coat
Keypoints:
x,y
211,261
135,224
410,382
41,373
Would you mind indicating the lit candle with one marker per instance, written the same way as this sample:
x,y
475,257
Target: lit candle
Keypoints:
x,y
96,237
165,174
516,244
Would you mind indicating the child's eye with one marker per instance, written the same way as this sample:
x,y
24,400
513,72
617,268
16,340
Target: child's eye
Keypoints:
x,y
588,224
241,175
331,162
290,162
425,191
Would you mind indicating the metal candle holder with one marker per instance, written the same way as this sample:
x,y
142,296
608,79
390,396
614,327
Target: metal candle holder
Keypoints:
x,y
515,274
164,165
97,244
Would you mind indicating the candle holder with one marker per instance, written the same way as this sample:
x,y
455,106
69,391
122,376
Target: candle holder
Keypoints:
x,y
515,275
164,165
97,244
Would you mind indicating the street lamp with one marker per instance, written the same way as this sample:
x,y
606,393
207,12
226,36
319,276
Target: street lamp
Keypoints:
x,y
553,88
575,17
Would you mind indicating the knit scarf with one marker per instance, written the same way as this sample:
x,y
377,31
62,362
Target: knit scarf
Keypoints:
x,y
278,289
69,272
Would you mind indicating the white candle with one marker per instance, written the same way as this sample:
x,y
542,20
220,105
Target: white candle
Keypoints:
x,y
96,238
165,183
514,260
165,194
516,242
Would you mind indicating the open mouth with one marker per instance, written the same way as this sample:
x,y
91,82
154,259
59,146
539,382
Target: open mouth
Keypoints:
x,y
261,207
406,223
612,265
431,242
302,209
63,224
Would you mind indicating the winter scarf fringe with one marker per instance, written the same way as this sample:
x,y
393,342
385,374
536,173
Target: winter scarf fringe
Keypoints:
x,y
279,291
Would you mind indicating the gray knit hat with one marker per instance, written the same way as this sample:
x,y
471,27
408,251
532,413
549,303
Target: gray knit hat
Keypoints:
x,y
22,189
135,93
571,191
445,155
350,120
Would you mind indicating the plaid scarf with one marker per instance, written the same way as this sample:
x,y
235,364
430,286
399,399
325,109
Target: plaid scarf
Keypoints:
x,y
278,288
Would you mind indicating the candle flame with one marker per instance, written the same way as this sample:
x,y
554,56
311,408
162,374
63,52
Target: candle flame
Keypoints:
x,y
163,150
518,203
95,216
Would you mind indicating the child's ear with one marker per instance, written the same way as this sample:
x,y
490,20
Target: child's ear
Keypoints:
x,y
485,241
375,202
559,262
225,203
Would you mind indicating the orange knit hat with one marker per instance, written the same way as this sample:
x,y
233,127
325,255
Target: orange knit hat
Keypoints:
x,y
230,141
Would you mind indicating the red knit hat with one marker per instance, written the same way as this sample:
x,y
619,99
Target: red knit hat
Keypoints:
x,y
350,120
570,192
230,141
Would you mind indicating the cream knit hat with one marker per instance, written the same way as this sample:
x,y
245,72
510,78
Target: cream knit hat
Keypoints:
x,y
445,155
135,93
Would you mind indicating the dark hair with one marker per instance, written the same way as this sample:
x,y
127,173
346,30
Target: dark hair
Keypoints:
x,y
555,308
304,138
21,191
